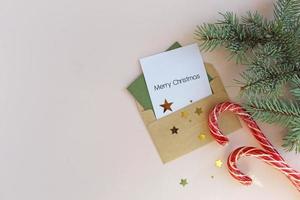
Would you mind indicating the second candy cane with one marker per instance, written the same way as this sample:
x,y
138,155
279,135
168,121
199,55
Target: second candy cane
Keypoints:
x,y
269,154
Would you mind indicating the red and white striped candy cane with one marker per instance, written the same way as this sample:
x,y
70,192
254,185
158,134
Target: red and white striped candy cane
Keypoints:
x,y
263,155
246,117
269,151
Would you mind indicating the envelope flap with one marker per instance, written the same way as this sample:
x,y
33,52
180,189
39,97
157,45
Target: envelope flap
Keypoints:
x,y
147,115
217,85
211,70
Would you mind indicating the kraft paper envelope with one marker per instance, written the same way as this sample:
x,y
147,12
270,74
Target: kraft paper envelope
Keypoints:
x,y
191,122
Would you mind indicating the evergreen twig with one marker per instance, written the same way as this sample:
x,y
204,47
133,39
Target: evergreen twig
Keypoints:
x,y
271,51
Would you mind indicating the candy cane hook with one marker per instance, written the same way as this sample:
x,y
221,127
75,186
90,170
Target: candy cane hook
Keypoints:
x,y
238,110
270,159
268,155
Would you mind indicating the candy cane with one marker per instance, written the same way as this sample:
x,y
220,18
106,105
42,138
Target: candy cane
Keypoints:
x,y
238,110
263,155
269,154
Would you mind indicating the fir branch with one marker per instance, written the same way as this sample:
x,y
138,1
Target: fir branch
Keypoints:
x,y
271,51
268,55
240,37
295,88
211,36
259,79
273,110
292,139
261,28
286,12
228,33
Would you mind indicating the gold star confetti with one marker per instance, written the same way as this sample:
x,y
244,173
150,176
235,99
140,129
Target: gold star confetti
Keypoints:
x,y
219,163
184,114
183,182
174,130
167,105
198,111
201,136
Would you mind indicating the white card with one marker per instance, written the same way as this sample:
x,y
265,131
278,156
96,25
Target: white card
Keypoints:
x,y
175,79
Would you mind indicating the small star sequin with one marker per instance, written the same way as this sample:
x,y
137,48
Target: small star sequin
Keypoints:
x,y
184,114
166,105
174,130
198,111
219,163
183,182
201,136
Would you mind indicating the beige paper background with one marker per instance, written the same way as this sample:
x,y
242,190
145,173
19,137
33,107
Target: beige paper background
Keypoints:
x,y
69,130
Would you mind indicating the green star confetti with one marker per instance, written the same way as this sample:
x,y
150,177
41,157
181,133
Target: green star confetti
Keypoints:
x,y
183,182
